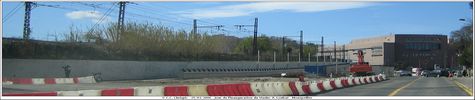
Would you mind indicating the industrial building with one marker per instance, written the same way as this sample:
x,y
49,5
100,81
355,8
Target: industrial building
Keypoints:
x,y
403,51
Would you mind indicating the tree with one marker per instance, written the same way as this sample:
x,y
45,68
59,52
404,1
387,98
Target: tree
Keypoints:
x,y
462,41
245,46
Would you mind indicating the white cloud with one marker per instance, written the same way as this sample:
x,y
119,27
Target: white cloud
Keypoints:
x,y
94,16
251,8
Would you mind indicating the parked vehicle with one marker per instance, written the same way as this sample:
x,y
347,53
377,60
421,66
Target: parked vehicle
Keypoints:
x,y
405,73
444,73
425,72
432,74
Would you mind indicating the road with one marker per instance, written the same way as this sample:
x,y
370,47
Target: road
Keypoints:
x,y
407,86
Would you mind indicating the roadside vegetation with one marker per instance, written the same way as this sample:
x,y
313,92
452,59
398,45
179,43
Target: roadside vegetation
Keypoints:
x,y
146,41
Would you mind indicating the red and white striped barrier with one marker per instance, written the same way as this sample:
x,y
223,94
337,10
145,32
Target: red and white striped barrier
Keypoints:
x,y
87,79
351,81
237,89
32,94
314,87
326,85
338,83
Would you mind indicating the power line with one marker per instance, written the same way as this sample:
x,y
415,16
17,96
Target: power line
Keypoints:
x,y
56,6
155,12
11,13
156,18
148,8
103,16
150,17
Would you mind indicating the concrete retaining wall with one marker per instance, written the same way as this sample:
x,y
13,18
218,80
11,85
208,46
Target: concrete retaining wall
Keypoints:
x,y
135,70
111,70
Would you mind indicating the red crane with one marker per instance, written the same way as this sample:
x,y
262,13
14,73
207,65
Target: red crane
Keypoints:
x,y
361,68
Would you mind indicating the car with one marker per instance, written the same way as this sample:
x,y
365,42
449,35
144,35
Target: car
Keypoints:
x,y
432,74
438,73
444,73
405,73
425,72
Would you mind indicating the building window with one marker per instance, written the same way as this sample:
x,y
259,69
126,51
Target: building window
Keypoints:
x,y
422,46
377,52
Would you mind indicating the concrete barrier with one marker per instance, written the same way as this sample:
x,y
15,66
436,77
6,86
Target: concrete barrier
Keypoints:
x,y
351,81
299,86
49,80
38,80
87,79
278,88
326,85
149,91
286,88
314,87
338,83
245,89
359,81
269,89
118,92
139,70
80,93
175,90
258,89
230,89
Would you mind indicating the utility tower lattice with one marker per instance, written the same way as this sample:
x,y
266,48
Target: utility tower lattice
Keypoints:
x,y
120,23
254,41
26,24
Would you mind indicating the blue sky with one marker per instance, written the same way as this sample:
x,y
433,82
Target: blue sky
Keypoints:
x,y
336,21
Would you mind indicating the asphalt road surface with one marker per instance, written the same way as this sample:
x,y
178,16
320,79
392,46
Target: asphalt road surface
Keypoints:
x,y
408,86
